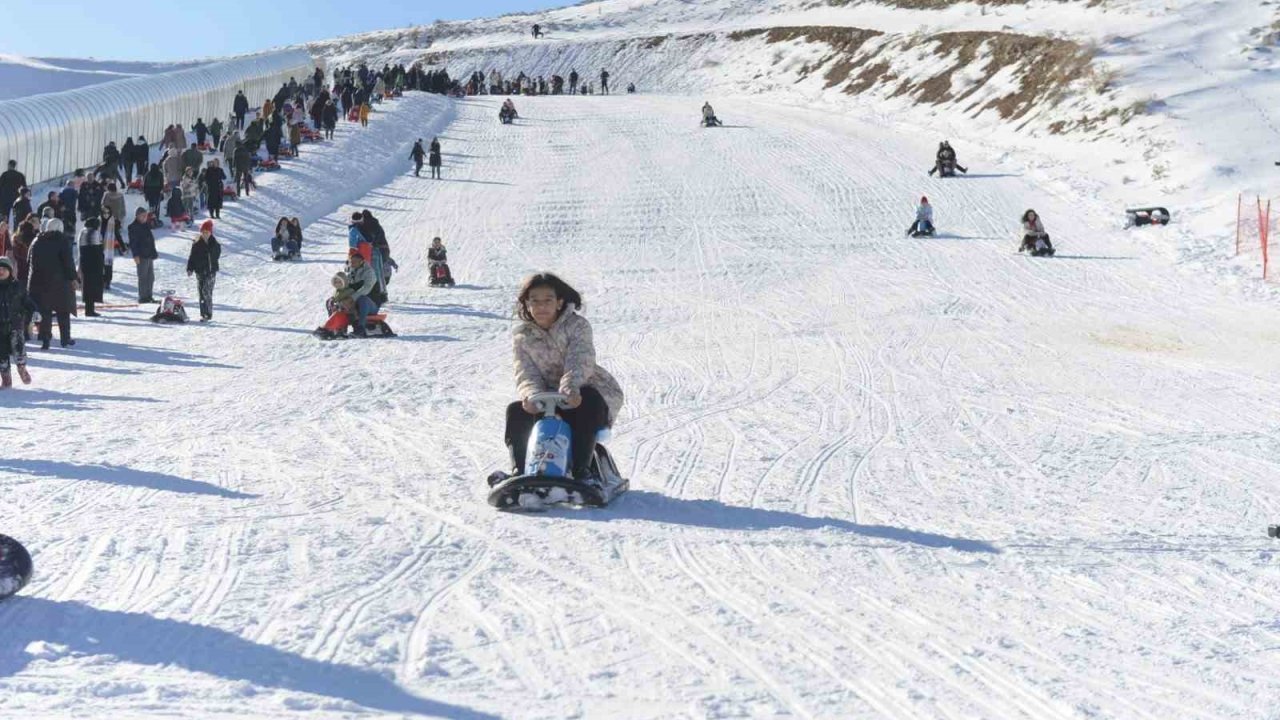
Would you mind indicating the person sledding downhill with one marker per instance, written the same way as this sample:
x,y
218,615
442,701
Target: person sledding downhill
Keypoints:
x,y
566,400
353,303
15,307
709,118
507,114
945,163
1034,238
923,226
438,263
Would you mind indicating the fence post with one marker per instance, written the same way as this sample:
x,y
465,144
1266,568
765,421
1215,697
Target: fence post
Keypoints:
x,y
1239,212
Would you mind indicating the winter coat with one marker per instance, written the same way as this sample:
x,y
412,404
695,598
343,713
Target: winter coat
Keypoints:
x,y
69,197
21,209
141,153
215,127
192,158
1033,227
174,209
203,259
364,111
241,104
213,179
417,153
924,213
114,201
11,182
15,306
561,359
91,195
172,167
189,189
330,116
440,254
361,280
52,271
295,136
153,185
435,158
243,160
142,242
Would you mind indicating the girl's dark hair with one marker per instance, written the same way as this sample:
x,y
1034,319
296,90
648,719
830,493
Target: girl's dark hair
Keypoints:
x,y
1028,213
562,289
282,221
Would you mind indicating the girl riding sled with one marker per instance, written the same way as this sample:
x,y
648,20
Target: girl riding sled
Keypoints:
x,y
554,352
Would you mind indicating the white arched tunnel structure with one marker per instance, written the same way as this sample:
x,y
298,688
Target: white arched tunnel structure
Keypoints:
x,y
54,134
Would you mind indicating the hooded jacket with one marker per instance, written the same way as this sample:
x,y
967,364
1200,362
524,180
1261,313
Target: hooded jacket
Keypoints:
x,y
561,359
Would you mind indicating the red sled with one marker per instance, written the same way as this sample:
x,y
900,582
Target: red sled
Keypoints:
x,y
335,328
204,147
354,115
136,185
268,165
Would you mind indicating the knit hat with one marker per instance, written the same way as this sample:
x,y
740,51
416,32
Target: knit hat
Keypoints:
x,y
924,199
7,263
339,280
207,225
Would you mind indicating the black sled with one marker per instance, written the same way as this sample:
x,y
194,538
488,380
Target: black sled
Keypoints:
x,y
15,566
1137,217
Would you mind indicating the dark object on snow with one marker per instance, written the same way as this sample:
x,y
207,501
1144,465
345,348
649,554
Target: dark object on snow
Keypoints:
x,y
921,228
546,481
1137,217
1273,531
171,310
15,566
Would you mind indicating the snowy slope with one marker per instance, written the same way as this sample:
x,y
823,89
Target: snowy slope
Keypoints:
x,y
1172,109
873,476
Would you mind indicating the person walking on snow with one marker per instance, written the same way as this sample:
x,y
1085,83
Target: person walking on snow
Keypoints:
x,y
53,282
418,154
15,307
604,82
434,159
142,245
203,263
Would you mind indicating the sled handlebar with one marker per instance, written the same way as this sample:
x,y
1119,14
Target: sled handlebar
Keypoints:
x,y
548,402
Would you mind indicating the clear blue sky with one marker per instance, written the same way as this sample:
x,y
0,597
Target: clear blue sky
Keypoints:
x,y
179,29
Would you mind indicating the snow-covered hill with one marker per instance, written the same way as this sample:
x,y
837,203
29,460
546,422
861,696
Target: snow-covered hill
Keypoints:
x,y
873,476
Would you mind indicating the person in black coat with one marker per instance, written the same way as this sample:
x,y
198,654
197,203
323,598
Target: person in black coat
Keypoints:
x,y
142,246
11,184
214,178
417,154
203,263
15,307
141,156
22,208
330,118
435,160
52,283
202,131
240,106
127,153
153,188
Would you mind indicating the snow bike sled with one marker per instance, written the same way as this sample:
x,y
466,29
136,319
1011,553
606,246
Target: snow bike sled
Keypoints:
x,y
921,229
335,328
440,274
15,566
712,121
547,481
171,310
945,168
1273,531
1137,217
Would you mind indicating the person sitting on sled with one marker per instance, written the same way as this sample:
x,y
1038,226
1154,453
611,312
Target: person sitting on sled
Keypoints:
x,y
438,263
1034,238
361,281
554,352
924,219
946,158
709,118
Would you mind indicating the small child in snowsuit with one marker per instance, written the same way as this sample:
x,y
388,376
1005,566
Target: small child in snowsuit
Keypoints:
x,y
15,307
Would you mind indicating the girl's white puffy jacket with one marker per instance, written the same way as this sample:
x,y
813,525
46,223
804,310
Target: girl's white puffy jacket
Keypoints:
x,y
924,213
561,359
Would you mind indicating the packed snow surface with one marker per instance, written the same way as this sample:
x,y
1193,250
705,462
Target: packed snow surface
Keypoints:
x,y
872,476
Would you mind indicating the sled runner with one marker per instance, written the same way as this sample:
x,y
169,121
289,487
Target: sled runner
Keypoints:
x,y
335,328
15,566
547,482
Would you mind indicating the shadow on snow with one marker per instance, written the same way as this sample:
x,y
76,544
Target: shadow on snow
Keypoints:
x,y
118,475
145,640
715,515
